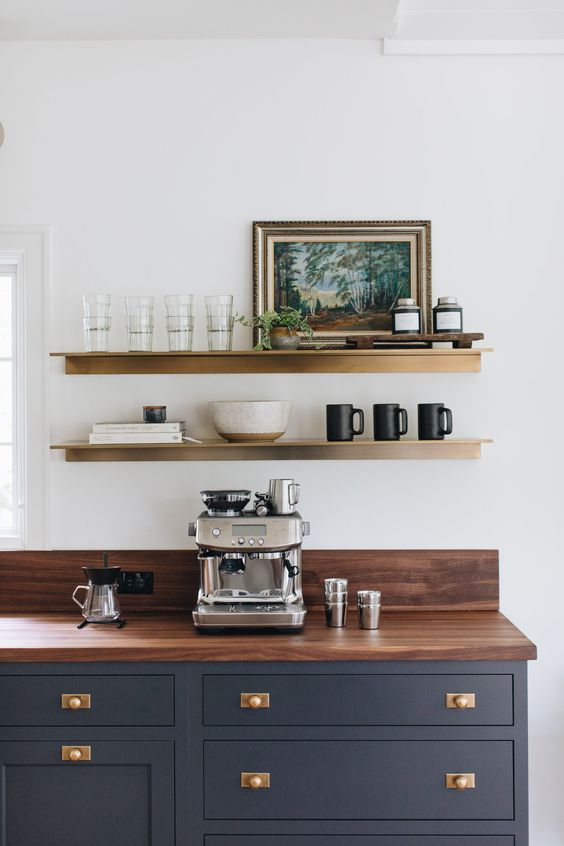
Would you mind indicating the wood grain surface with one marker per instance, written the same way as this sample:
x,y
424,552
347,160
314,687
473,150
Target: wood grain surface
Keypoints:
x,y
43,581
277,361
307,449
438,636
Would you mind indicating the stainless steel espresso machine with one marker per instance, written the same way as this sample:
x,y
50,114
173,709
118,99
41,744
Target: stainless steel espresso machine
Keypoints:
x,y
250,561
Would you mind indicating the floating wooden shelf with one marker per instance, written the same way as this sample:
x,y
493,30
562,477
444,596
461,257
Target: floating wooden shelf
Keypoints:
x,y
295,450
278,361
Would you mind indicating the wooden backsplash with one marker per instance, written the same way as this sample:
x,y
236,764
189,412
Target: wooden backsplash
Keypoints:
x,y
446,580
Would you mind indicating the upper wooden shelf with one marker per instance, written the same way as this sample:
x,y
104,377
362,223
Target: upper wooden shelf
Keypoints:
x,y
277,361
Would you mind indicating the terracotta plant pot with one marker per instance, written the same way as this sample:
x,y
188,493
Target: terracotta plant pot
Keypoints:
x,y
282,338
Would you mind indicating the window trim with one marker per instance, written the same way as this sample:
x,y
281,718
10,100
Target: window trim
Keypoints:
x,y
26,250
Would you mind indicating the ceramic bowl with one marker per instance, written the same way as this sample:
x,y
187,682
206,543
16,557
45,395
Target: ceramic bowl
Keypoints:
x,y
250,421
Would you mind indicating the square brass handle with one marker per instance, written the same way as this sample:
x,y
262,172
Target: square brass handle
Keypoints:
x,y
75,701
76,753
460,701
255,781
460,781
255,700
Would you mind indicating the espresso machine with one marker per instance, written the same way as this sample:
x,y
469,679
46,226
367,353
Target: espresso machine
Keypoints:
x,y
250,560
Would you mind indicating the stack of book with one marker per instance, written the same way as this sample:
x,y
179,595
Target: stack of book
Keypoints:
x,y
138,433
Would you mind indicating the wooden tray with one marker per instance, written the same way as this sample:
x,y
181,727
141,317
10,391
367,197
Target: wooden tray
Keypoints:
x,y
459,340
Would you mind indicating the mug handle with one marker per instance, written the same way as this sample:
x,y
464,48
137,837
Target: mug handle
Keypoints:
x,y
448,413
402,427
294,493
74,599
360,413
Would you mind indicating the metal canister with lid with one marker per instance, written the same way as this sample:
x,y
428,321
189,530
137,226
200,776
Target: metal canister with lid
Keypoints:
x,y
406,317
447,315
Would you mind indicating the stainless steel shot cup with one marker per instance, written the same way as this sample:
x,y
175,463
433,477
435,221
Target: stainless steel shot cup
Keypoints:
x,y
336,614
336,601
369,604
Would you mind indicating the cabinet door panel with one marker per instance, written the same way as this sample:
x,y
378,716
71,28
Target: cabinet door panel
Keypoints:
x,y
359,840
358,700
343,780
124,795
114,700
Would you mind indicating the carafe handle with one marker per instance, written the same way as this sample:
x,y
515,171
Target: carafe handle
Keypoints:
x,y
74,599
294,493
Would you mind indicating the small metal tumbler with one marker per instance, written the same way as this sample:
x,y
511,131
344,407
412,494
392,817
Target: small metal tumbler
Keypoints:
x,y
336,614
336,602
369,604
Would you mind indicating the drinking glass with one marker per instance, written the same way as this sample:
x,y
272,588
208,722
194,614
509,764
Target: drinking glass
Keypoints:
x,y
139,319
219,315
180,331
96,322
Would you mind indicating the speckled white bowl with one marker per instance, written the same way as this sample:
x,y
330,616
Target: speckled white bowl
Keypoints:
x,y
250,421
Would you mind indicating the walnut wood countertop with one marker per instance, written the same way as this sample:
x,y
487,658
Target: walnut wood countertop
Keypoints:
x,y
413,635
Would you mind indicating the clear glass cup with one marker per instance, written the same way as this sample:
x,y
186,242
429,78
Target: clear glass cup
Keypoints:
x,y
139,321
220,333
96,334
180,331
179,305
96,305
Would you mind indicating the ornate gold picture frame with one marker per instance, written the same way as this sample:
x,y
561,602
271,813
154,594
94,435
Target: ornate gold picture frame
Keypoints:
x,y
345,276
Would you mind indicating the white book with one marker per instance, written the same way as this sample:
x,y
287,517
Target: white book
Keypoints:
x,y
140,427
136,437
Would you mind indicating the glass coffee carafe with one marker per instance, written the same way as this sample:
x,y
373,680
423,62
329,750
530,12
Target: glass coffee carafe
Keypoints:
x,y
101,604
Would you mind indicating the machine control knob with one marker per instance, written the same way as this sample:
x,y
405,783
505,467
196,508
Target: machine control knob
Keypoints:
x,y
216,532
241,540
306,528
260,541
191,530
251,541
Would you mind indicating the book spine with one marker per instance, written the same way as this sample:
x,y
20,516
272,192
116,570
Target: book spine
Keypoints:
x,y
136,438
137,427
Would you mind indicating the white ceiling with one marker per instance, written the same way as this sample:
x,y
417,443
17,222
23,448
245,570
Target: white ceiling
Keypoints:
x,y
401,20
155,19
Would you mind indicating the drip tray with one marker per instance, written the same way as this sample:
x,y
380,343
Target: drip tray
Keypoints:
x,y
249,616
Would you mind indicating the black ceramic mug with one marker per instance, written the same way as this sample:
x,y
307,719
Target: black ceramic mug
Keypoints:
x,y
430,421
340,422
390,421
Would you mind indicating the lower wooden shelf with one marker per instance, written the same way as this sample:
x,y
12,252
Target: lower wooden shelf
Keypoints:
x,y
284,450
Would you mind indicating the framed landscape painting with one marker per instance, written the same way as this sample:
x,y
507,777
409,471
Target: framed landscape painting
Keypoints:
x,y
344,276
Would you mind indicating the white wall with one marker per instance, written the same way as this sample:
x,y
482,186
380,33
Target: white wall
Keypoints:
x,y
150,160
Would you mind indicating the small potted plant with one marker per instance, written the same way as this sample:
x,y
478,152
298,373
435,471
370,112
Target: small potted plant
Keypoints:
x,y
279,330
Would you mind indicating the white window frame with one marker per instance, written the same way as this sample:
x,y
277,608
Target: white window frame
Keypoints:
x,y
24,251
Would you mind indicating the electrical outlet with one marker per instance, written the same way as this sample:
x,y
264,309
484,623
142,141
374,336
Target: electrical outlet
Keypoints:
x,y
136,581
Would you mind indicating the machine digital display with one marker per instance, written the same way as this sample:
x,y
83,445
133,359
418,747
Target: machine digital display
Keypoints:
x,y
246,530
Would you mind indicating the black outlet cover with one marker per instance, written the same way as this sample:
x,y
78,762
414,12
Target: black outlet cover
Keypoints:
x,y
136,581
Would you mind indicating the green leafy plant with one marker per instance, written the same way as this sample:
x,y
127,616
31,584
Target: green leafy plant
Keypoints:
x,y
287,318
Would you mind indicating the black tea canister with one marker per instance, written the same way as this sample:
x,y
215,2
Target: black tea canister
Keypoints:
x,y
447,315
406,317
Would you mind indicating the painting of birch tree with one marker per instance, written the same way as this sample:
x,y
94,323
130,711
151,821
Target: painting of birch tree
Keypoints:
x,y
342,285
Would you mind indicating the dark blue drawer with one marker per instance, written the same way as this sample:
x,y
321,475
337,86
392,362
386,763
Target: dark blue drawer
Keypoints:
x,y
361,700
127,700
358,840
358,780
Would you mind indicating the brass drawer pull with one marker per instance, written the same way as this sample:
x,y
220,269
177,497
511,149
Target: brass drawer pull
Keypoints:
x,y
75,701
255,780
461,701
76,753
255,700
460,781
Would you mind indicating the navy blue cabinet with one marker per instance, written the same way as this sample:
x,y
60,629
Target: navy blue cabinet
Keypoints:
x,y
346,754
122,795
